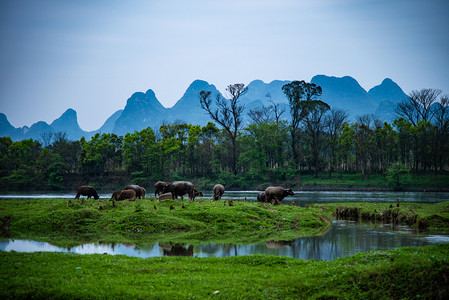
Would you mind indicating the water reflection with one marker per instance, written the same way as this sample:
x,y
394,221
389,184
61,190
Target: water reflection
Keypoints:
x,y
343,239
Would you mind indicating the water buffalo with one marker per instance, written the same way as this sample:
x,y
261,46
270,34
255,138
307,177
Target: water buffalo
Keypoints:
x,y
261,197
197,193
159,187
86,190
180,188
139,190
123,195
276,193
218,191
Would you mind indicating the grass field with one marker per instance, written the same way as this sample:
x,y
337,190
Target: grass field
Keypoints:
x,y
407,273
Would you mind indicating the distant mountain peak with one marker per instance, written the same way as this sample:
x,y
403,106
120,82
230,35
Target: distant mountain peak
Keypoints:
x,y
150,93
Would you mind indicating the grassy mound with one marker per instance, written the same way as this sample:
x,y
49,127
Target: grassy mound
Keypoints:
x,y
153,221
417,215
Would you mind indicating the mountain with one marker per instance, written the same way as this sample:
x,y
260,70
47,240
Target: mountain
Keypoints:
x,y
388,94
144,110
345,93
6,129
108,126
188,108
68,123
261,91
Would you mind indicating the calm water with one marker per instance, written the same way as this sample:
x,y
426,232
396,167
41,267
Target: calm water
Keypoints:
x,y
343,239
301,197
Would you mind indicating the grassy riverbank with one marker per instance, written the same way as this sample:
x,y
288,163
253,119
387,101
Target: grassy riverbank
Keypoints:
x,y
154,221
402,273
417,215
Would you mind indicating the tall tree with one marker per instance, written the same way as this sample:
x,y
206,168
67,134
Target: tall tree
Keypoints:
x,y
333,124
228,114
301,99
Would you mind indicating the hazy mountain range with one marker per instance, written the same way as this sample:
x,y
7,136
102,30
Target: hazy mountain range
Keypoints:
x,y
144,110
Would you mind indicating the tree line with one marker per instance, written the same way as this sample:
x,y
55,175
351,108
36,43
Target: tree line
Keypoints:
x,y
317,139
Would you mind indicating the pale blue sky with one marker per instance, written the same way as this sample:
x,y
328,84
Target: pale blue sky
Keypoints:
x,y
92,55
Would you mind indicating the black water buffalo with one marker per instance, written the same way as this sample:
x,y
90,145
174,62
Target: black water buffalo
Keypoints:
x,y
180,188
196,193
139,190
276,193
159,187
218,191
86,190
261,197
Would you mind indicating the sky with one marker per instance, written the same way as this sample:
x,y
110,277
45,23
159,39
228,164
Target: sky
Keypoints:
x,y
92,55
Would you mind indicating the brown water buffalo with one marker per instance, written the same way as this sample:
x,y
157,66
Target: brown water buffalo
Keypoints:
x,y
159,187
218,191
86,190
180,188
276,193
136,189
123,195
261,197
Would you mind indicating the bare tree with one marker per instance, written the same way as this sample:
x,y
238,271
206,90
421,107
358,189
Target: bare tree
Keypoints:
x,y
261,115
418,106
266,114
46,138
278,112
228,114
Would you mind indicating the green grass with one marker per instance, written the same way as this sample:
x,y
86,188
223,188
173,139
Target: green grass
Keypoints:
x,y
402,273
417,215
154,221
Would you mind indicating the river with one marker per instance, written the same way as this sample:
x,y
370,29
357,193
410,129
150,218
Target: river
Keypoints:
x,y
343,239
300,198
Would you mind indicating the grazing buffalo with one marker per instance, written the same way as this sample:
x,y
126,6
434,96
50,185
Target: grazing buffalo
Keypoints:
x,y
86,190
144,191
139,190
261,197
180,188
123,195
218,191
159,187
276,193
197,193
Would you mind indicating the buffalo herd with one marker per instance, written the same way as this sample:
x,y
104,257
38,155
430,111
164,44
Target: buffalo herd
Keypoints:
x,y
171,190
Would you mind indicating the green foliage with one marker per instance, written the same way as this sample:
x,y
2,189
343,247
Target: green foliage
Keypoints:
x,y
319,142
398,173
